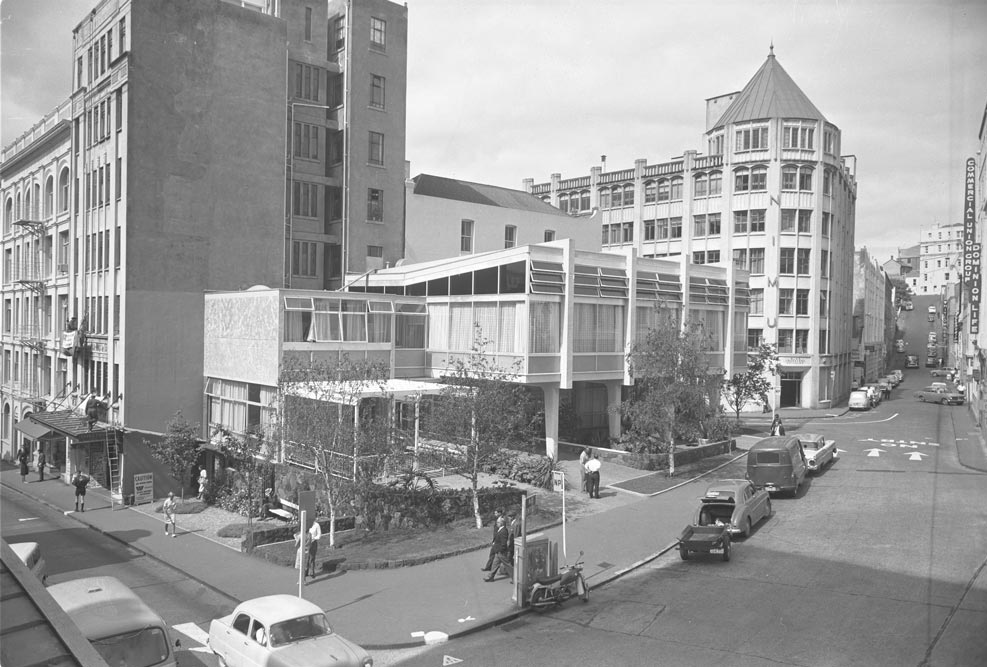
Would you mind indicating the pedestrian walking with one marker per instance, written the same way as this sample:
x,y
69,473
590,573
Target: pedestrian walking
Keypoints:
x,y
23,457
203,483
170,505
314,535
42,462
80,482
583,458
501,562
498,513
777,428
593,476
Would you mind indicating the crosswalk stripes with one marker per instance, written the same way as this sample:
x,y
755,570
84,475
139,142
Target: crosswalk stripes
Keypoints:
x,y
196,634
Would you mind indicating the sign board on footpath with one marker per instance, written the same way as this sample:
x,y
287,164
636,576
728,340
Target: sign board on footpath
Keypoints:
x,y
143,488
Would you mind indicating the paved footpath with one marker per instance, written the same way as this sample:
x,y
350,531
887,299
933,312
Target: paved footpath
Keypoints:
x,y
396,608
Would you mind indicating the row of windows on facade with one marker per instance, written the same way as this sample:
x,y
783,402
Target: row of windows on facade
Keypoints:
x,y
790,341
794,178
305,258
31,317
306,196
798,135
467,230
33,374
33,261
744,222
32,206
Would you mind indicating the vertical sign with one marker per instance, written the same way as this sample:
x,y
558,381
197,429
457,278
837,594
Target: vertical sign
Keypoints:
x,y
143,488
971,249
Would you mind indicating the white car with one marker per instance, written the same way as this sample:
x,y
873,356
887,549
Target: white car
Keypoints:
x,y
819,452
30,554
281,630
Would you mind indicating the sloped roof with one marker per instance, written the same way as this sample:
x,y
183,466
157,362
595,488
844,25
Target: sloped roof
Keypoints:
x,y
71,424
771,93
478,193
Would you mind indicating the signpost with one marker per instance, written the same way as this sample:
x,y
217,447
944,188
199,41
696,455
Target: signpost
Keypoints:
x,y
143,488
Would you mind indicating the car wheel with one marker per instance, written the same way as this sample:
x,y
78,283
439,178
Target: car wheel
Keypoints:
x,y
683,552
922,398
726,549
767,509
747,528
221,661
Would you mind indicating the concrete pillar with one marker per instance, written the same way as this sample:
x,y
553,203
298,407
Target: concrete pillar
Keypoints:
x,y
551,392
613,405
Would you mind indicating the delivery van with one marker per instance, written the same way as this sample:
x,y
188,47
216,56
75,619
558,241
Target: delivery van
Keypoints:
x,y
777,464
119,625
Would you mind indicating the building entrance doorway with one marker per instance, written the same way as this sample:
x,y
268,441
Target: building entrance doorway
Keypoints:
x,y
791,390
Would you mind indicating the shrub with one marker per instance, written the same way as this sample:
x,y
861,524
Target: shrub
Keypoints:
x,y
522,467
384,507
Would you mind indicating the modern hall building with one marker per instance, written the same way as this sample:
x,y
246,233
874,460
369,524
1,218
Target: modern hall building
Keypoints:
x,y
772,195
214,146
567,319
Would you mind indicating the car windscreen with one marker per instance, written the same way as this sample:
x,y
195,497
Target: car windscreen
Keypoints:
x,y
767,458
303,627
141,648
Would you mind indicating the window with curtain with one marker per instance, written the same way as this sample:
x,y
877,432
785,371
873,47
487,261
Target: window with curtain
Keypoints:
x,y
647,319
544,327
507,321
409,326
438,326
461,327
379,322
599,328
325,321
485,316
713,325
354,321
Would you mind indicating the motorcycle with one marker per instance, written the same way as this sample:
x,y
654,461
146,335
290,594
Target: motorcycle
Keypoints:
x,y
553,591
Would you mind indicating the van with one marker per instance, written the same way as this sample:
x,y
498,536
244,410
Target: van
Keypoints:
x,y
118,624
859,400
777,464
30,555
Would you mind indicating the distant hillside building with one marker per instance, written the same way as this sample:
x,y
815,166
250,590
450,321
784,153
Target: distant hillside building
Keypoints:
x,y
940,260
772,196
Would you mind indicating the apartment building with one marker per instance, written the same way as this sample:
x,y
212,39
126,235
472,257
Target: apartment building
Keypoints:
x,y
940,258
772,195
871,300
211,146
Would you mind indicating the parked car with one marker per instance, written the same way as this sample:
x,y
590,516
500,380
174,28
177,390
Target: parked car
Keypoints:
x,y
281,630
874,393
777,464
735,503
933,338
859,400
942,372
30,555
907,305
900,374
911,361
892,379
899,345
819,452
931,362
939,395
932,317
932,310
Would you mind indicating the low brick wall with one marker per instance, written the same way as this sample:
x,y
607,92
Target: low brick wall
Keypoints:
x,y
683,455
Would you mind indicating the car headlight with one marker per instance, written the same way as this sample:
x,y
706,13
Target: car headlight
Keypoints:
x,y
368,662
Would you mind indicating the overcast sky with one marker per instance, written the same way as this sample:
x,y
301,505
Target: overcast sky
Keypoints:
x,y
506,90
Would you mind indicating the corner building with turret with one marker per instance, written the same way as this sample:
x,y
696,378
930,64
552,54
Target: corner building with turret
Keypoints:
x,y
772,195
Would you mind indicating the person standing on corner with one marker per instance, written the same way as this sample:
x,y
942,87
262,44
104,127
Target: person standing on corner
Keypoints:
x,y
314,535
80,482
777,428
203,483
170,505
501,548
498,513
23,457
583,458
593,476
41,465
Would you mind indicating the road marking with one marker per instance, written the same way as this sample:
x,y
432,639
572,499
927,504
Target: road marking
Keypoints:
x,y
30,518
916,456
449,660
855,423
435,637
468,618
874,452
196,634
892,442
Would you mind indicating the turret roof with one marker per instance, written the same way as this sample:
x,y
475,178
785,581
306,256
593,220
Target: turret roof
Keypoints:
x,y
771,93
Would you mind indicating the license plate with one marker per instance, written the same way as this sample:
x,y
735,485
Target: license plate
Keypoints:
x,y
716,551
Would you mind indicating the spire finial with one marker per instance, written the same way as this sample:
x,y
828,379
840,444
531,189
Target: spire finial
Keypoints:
x,y
771,49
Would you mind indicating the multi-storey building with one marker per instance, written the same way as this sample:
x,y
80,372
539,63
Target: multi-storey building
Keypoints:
x,y
871,291
36,242
773,196
214,146
563,319
940,260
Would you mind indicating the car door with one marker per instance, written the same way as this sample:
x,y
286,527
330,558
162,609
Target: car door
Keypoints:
x,y
756,502
257,648
239,641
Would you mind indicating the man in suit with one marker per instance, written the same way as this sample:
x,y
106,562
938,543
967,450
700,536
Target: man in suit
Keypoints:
x,y
500,545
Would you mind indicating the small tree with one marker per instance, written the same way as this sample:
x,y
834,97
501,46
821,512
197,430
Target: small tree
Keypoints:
x,y
249,457
672,386
327,422
178,449
756,382
481,412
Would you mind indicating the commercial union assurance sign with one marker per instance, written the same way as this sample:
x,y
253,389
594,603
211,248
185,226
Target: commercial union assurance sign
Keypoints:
x,y
971,249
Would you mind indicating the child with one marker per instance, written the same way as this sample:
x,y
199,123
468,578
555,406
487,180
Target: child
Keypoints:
x,y
169,511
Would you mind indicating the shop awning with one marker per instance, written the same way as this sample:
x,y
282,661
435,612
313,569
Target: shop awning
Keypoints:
x,y
32,429
69,424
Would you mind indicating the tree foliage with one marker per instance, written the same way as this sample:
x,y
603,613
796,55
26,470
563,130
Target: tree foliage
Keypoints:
x,y
481,412
329,423
675,394
755,383
249,456
178,449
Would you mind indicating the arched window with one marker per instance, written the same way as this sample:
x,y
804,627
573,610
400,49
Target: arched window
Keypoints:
x,y
649,192
8,215
36,213
701,185
663,190
789,177
676,188
584,200
604,198
5,429
715,183
759,178
564,202
742,180
63,190
25,212
628,195
805,179
616,200
49,197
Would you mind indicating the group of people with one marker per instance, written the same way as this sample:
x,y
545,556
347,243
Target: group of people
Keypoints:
x,y
589,471
24,459
501,558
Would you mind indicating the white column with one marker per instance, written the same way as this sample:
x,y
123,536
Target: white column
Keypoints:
x,y
551,392
613,405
